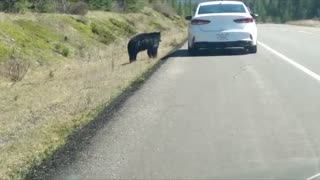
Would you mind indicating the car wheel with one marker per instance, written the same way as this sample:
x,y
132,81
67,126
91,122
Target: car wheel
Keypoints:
x,y
253,49
192,51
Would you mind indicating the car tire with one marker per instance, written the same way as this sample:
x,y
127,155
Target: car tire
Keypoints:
x,y
253,49
192,51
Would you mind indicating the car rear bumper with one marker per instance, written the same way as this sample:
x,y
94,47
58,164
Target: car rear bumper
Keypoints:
x,y
236,36
223,44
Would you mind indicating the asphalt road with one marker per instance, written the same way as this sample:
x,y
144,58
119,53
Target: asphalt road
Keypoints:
x,y
220,115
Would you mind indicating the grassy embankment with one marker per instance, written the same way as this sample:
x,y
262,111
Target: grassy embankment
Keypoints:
x,y
57,72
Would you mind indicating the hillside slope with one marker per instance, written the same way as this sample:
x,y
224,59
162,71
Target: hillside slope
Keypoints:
x,y
58,71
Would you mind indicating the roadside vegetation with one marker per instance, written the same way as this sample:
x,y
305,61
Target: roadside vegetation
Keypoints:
x,y
310,23
282,11
62,63
81,7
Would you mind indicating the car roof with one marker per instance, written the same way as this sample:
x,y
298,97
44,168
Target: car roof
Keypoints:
x,y
220,2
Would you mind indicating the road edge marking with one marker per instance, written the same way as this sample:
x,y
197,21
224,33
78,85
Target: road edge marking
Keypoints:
x,y
313,177
292,62
298,66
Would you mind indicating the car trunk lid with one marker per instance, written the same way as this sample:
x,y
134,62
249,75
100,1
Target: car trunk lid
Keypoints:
x,y
223,21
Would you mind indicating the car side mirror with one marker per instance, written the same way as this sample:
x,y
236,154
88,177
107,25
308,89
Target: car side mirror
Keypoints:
x,y
255,15
188,18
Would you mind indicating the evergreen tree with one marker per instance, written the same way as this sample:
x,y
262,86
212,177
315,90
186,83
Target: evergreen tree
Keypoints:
x,y
130,5
100,4
268,10
180,9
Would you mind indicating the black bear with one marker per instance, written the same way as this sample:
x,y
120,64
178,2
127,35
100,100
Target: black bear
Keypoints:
x,y
144,41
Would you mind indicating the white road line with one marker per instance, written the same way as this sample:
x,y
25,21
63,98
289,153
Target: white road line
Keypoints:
x,y
313,177
292,62
300,67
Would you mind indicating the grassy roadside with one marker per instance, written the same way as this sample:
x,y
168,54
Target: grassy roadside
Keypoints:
x,y
309,23
75,69
82,137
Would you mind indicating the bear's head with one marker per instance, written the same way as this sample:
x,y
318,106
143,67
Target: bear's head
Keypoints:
x,y
156,36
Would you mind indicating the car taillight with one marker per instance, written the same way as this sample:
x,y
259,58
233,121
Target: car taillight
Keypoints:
x,y
244,20
199,22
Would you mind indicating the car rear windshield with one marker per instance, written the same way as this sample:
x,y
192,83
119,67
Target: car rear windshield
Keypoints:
x,y
222,8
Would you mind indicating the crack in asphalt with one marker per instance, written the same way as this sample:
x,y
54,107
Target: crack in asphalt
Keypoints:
x,y
242,70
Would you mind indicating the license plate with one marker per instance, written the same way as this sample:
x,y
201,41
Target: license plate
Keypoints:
x,y
223,36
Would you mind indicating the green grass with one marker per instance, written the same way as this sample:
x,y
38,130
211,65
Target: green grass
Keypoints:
x,y
62,49
30,39
109,30
103,32
122,27
5,52
157,26
78,25
76,69
43,40
37,30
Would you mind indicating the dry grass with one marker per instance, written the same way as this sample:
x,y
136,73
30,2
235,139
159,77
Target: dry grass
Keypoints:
x,y
39,112
310,23
14,69
163,8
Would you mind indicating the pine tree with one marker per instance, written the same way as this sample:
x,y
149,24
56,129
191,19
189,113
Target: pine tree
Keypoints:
x,y
130,5
190,7
100,4
180,9
174,5
271,10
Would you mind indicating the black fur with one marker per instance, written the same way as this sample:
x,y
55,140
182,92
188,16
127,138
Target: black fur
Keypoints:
x,y
144,41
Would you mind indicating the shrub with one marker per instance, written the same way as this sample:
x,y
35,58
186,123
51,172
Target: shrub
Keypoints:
x,y
22,6
61,49
83,19
45,6
79,8
104,34
51,74
57,47
65,52
129,5
163,8
122,27
15,69
101,4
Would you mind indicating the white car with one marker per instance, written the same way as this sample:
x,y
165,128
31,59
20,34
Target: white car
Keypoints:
x,y
222,24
